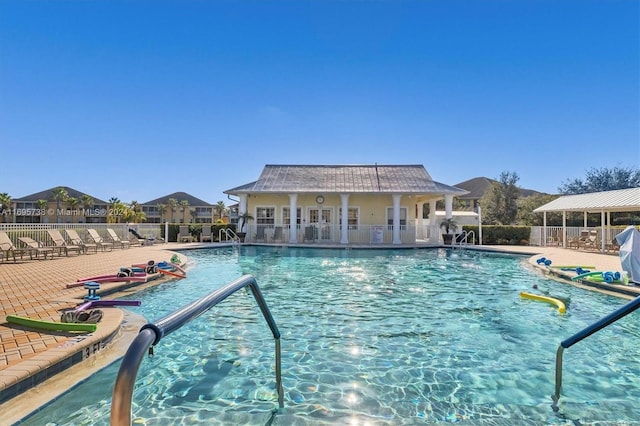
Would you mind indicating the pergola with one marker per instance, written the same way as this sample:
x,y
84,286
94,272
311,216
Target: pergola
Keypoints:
x,y
620,200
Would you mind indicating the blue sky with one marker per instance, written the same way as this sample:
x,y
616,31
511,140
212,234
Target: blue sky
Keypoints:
x,y
139,99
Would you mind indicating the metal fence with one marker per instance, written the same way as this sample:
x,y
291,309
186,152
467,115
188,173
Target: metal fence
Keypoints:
x,y
552,236
329,234
38,231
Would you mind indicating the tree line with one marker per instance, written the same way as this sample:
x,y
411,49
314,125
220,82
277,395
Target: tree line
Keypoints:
x,y
503,205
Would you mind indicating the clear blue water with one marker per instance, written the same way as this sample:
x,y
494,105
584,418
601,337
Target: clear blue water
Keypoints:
x,y
374,337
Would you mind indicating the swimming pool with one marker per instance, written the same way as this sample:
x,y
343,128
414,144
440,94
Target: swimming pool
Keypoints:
x,y
373,337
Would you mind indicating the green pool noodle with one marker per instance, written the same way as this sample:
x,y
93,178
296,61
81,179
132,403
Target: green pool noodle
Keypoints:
x,y
51,325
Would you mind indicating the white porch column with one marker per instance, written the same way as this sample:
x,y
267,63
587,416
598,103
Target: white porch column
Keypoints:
x,y
448,206
420,221
585,219
396,219
564,229
544,229
434,226
344,227
603,232
293,218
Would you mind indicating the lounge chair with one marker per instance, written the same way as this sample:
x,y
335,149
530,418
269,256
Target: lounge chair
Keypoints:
x,y
60,243
36,248
76,240
98,240
184,235
8,248
309,233
206,233
260,233
117,240
277,234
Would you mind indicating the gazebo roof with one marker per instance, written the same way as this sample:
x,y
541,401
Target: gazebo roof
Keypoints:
x,y
620,200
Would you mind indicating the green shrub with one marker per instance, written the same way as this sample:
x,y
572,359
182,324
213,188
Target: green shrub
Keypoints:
x,y
501,235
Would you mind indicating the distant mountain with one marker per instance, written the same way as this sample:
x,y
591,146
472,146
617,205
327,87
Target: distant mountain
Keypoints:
x,y
479,185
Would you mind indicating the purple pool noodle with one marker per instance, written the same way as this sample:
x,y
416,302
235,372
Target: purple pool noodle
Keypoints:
x,y
104,303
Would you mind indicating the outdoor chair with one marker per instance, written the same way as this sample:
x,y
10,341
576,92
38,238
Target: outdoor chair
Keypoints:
x,y
309,234
206,233
115,239
98,240
8,248
76,240
60,243
577,242
36,248
260,233
184,235
277,234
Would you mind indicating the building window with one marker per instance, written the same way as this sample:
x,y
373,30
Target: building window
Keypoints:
x,y
286,216
403,216
352,217
265,215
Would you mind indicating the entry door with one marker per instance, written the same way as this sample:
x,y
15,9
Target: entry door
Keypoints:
x,y
320,218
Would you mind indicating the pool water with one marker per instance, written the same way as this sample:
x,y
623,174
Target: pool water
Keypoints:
x,y
374,337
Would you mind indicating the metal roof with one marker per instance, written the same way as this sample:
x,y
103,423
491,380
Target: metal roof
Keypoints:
x,y
403,179
620,200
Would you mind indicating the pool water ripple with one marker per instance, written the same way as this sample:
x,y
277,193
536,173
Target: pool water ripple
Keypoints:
x,y
378,337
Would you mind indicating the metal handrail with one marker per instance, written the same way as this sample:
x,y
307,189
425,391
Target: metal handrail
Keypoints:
x,y
151,334
583,334
229,235
465,238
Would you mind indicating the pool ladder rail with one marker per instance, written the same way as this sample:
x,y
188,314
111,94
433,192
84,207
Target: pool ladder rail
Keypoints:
x,y
463,239
583,334
229,235
151,334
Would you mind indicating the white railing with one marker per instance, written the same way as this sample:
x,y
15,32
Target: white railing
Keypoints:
x,y
554,235
329,234
38,231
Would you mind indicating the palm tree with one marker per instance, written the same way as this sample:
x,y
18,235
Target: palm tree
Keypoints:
x,y
243,219
87,204
73,203
220,208
137,215
162,209
173,203
5,205
59,194
42,205
140,217
183,206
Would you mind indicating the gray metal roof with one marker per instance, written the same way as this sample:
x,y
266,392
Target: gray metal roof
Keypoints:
x,y
621,200
403,179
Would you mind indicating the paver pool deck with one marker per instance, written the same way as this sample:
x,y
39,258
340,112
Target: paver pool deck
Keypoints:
x,y
37,289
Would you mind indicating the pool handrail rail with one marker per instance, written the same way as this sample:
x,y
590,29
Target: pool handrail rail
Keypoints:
x,y
150,334
583,334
